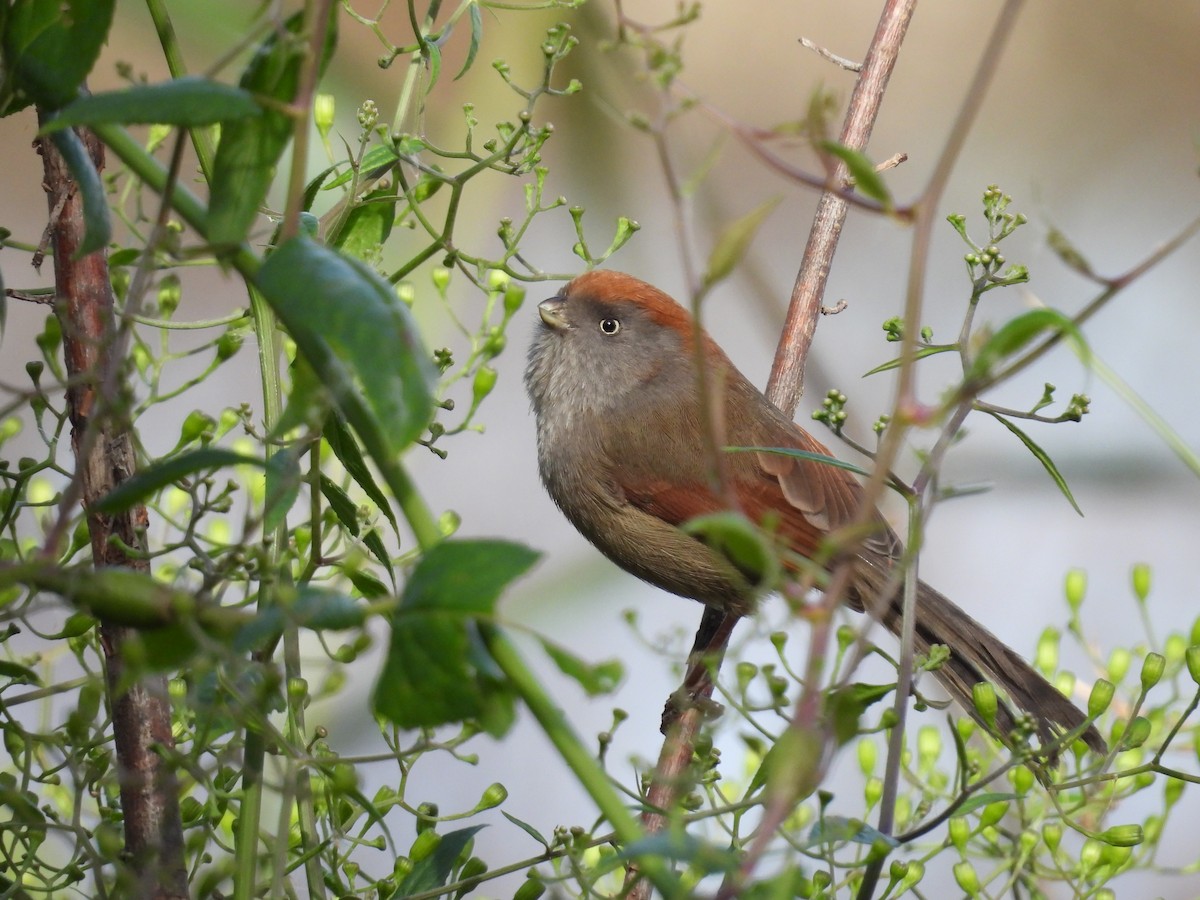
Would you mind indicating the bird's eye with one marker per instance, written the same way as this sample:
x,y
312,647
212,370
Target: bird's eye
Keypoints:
x,y
610,325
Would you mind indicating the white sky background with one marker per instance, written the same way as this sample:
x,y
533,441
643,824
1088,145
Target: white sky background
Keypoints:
x,y
1091,124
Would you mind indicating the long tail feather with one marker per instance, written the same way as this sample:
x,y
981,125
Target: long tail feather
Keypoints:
x,y
977,655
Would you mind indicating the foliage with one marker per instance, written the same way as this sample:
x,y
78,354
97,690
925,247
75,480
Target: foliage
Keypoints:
x,y
285,540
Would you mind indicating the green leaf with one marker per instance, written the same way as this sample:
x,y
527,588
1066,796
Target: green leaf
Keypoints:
x,y
97,228
120,595
250,148
1017,333
18,673
435,672
49,48
862,170
476,38
679,846
527,828
739,542
376,161
920,354
977,801
804,454
345,448
359,339
598,679
1066,251
435,66
431,873
838,829
187,102
1041,457
347,512
845,707
149,481
312,607
368,224
731,246
283,487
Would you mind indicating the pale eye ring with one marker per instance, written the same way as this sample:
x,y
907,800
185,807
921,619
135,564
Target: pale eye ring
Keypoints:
x,y
609,325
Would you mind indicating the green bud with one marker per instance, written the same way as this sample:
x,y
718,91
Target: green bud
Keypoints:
x,y
495,794
514,296
170,291
1089,854
441,279
1136,733
109,841
1052,835
1175,648
964,874
1046,660
323,113
993,813
531,889
1122,835
1152,670
1118,663
1154,826
1192,657
960,832
867,754
230,342
424,845
297,689
929,745
1172,791
426,814
343,778
1065,682
1101,696
1075,587
1140,576
1021,779
984,696
916,871
485,380
472,868
872,792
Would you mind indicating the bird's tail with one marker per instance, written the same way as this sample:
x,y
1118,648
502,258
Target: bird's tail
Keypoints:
x,y
977,655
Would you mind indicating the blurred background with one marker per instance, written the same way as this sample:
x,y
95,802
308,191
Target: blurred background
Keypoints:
x,y
1091,124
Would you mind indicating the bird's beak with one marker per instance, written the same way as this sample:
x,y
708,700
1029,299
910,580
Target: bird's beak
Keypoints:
x,y
553,313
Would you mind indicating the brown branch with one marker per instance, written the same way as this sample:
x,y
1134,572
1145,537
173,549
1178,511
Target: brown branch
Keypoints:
x,y
787,374
104,458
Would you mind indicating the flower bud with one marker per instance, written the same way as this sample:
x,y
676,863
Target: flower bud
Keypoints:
x,y
1122,835
964,874
1192,658
1152,670
984,696
960,832
1101,696
1075,587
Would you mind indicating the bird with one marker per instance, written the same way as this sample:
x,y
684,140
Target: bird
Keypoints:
x,y
622,451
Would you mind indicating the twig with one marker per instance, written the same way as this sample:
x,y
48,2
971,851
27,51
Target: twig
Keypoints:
x,y
848,64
